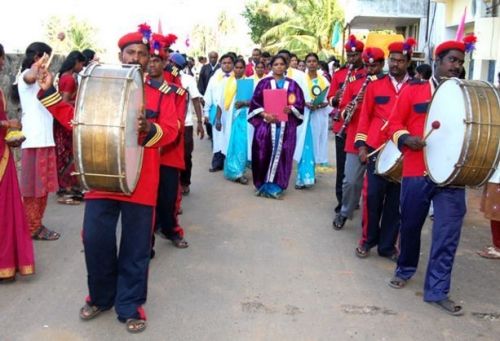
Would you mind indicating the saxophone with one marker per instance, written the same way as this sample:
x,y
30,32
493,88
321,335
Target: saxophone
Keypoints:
x,y
352,106
340,94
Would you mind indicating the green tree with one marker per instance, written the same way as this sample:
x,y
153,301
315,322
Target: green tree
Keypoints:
x,y
302,26
78,35
261,15
203,39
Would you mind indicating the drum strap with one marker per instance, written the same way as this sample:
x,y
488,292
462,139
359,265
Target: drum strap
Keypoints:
x,y
151,114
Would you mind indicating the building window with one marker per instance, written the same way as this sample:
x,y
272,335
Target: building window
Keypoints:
x,y
491,71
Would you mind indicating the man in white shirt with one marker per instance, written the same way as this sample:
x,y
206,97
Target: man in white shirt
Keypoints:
x,y
212,97
193,109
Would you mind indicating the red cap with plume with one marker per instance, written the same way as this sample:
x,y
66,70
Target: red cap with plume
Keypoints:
x,y
170,39
373,54
405,47
466,45
141,36
354,45
157,45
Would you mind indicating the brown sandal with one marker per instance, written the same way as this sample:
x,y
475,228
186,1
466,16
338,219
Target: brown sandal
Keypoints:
x,y
44,233
135,325
68,200
180,243
88,312
7,280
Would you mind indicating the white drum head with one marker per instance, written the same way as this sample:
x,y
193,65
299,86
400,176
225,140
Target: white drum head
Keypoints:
x,y
387,158
133,151
444,145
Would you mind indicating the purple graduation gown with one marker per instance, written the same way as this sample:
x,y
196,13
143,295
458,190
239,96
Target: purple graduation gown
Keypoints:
x,y
272,156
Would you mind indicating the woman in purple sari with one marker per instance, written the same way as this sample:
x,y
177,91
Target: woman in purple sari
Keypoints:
x,y
274,141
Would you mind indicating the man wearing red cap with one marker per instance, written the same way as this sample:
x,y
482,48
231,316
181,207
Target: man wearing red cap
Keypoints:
x,y
381,217
352,100
406,126
354,67
172,163
120,279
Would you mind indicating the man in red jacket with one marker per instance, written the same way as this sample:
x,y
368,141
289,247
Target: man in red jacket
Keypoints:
x,y
406,126
354,67
250,67
381,217
373,59
120,280
172,163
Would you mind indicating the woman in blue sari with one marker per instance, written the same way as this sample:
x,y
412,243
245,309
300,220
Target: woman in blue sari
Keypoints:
x,y
308,141
236,154
274,141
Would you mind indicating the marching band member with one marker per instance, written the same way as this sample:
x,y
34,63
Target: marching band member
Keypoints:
x,y
406,126
354,67
381,218
373,59
171,156
120,278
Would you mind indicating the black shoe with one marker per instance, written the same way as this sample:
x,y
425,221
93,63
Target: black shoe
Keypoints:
x,y
339,222
214,169
337,209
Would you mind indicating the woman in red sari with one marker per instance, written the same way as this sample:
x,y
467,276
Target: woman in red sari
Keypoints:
x,y
16,247
68,184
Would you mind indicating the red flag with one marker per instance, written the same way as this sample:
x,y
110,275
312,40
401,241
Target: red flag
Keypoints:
x,y
160,31
461,26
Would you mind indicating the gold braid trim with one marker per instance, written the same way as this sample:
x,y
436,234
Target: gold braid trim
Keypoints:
x,y
398,134
156,137
52,99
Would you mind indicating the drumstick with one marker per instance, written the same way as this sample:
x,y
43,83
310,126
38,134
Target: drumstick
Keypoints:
x,y
376,150
434,126
49,61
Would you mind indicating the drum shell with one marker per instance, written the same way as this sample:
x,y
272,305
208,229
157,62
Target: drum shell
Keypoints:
x,y
480,148
393,173
105,140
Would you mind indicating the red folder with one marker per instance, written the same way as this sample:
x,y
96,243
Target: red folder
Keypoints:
x,y
275,101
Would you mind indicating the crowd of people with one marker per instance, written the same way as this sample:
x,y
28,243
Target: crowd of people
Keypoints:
x,y
229,98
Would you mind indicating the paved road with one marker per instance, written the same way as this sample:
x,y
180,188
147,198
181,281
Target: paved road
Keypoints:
x,y
256,269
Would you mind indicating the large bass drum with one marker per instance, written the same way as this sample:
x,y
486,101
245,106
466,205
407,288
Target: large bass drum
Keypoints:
x,y
464,151
105,139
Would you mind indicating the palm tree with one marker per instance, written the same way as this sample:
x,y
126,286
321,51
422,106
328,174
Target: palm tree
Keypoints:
x,y
78,35
307,29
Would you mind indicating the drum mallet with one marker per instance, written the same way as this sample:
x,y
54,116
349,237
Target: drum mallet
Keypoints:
x,y
434,126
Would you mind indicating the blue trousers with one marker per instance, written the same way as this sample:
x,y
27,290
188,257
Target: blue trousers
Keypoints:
x,y
380,212
449,211
117,277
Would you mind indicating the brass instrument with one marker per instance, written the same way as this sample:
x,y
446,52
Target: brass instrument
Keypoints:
x,y
352,106
340,93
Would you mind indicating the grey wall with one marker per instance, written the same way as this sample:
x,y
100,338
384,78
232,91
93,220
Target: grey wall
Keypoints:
x,y
8,75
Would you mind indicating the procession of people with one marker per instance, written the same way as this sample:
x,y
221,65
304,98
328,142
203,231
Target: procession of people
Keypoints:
x,y
264,116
